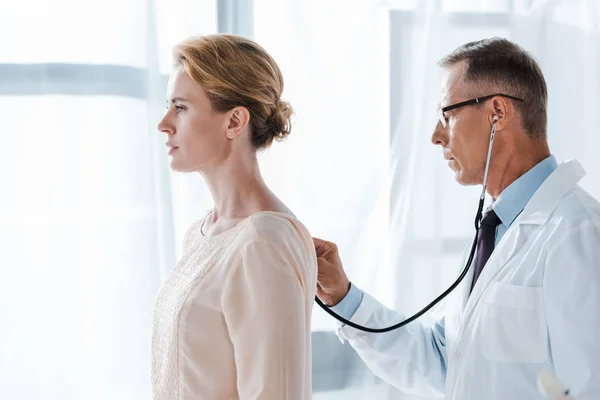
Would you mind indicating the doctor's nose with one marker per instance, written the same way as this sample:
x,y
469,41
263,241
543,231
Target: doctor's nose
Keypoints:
x,y
439,137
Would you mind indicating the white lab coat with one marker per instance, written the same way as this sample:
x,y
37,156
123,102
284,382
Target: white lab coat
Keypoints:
x,y
535,306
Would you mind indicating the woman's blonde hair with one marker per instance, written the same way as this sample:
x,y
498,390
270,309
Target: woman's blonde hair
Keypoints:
x,y
236,71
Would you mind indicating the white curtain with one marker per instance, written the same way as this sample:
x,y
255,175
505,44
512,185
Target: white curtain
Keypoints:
x,y
86,223
91,219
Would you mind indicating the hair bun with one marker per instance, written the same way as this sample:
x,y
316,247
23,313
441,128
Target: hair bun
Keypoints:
x,y
280,124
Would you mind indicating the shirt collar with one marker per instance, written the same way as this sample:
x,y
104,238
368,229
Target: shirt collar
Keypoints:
x,y
513,199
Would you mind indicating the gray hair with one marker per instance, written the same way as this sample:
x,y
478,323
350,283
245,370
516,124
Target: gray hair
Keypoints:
x,y
501,66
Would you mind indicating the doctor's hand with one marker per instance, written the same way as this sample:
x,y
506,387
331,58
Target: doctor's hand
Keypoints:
x,y
332,282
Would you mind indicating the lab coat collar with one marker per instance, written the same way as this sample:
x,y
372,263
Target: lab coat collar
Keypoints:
x,y
546,198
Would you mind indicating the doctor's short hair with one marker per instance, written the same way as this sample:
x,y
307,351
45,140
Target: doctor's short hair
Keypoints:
x,y
498,65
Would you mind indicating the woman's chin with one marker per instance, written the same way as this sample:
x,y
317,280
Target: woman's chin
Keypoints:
x,y
177,166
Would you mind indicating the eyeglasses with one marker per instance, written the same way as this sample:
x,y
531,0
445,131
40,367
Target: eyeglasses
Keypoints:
x,y
442,111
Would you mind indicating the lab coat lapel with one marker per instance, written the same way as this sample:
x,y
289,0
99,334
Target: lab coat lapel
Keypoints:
x,y
457,300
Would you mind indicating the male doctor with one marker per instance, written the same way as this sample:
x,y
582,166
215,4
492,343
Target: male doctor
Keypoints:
x,y
531,300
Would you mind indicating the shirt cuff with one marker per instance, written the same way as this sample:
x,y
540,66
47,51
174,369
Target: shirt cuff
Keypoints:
x,y
349,304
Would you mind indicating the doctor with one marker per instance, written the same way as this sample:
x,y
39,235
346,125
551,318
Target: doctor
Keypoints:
x,y
531,300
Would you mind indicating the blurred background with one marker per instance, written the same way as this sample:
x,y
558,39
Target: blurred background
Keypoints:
x,y
92,219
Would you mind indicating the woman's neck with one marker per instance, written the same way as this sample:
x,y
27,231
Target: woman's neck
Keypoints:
x,y
238,190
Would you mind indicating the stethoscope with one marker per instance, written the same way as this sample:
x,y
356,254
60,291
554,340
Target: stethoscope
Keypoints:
x,y
478,218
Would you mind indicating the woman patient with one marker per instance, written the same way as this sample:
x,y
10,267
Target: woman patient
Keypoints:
x,y
232,320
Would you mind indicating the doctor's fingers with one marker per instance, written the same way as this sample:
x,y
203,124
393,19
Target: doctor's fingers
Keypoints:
x,y
324,248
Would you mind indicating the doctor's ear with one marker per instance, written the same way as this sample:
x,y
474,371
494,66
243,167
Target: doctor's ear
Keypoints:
x,y
499,112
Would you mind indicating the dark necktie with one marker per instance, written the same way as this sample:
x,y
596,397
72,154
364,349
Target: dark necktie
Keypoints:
x,y
485,241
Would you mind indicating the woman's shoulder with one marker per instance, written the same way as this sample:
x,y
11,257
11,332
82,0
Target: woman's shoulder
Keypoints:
x,y
274,239
274,228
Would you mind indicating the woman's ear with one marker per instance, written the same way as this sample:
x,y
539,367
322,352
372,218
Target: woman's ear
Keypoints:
x,y
238,119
